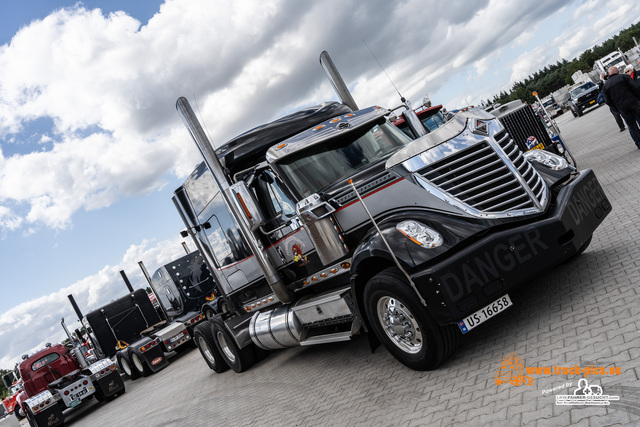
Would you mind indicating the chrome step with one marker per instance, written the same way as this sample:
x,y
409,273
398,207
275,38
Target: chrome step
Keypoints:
x,y
323,339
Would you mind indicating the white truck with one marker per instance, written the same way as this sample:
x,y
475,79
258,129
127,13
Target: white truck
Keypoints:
x,y
615,58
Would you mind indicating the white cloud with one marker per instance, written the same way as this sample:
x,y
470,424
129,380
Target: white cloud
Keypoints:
x,y
109,87
110,84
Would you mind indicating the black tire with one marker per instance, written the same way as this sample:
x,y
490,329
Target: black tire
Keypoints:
x,y
140,365
223,307
30,417
18,411
208,313
238,359
424,345
124,362
203,337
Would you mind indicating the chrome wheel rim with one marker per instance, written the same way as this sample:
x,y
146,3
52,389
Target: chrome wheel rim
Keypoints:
x,y
225,348
125,366
206,350
136,361
399,324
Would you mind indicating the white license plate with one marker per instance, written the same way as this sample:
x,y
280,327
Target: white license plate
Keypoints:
x,y
75,396
174,339
484,314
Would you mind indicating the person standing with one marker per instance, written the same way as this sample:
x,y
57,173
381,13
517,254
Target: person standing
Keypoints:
x,y
623,93
629,71
614,112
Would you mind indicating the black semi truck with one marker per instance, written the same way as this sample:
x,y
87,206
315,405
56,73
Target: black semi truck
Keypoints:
x,y
331,221
141,338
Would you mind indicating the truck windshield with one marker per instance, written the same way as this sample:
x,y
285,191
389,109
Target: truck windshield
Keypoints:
x,y
618,62
320,166
40,363
434,122
580,89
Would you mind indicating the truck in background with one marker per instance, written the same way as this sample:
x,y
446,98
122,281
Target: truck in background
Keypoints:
x,y
551,107
140,338
614,59
56,378
432,118
185,290
14,385
331,221
583,96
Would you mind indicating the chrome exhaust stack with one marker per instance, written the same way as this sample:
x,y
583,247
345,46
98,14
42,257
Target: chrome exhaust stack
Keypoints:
x,y
213,163
342,90
336,81
77,350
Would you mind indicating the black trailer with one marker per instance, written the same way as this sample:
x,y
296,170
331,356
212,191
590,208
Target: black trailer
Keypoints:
x,y
141,338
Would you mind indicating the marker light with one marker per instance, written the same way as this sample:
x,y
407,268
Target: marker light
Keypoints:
x,y
420,234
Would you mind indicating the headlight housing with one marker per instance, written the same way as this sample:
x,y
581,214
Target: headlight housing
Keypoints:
x,y
550,160
420,234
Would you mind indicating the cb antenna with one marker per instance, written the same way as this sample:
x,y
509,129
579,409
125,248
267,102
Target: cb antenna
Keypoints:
x,y
384,71
410,117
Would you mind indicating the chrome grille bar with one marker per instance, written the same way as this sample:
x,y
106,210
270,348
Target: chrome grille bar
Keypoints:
x,y
490,176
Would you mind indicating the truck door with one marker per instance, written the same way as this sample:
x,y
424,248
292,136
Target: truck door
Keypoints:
x,y
217,232
288,244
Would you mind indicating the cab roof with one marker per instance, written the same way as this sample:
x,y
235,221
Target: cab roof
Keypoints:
x,y
326,130
251,146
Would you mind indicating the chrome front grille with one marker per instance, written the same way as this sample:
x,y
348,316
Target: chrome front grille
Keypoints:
x,y
532,178
481,177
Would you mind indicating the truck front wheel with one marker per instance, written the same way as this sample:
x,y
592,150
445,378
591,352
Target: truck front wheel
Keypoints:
x,y
403,325
238,359
203,338
18,411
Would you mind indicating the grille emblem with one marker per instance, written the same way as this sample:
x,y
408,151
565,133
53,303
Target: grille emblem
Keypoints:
x,y
481,127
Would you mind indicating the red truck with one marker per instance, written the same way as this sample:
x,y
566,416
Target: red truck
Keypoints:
x,y
56,378
15,387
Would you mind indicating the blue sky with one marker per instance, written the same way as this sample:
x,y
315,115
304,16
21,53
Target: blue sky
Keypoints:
x,y
91,147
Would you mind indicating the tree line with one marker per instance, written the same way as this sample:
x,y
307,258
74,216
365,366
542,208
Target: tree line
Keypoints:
x,y
554,77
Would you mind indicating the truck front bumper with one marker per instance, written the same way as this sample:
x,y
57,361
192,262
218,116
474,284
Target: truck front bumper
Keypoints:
x,y
499,262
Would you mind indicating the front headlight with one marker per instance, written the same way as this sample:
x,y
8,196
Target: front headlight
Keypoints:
x,y
550,160
420,234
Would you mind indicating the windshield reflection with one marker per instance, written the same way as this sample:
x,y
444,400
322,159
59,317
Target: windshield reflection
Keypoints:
x,y
310,171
